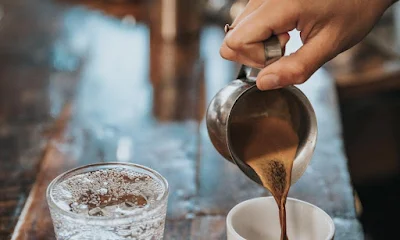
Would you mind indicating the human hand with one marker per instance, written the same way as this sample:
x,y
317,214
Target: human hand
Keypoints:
x,y
327,28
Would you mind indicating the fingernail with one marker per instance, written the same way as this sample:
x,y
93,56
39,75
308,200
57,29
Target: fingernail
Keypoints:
x,y
269,81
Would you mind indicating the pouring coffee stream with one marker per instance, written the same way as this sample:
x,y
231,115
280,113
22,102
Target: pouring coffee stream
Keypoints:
x,y
269,135
241,99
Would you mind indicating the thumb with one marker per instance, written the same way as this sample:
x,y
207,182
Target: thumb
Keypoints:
x,y
297,67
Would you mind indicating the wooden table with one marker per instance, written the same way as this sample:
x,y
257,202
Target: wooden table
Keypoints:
x,y
78,86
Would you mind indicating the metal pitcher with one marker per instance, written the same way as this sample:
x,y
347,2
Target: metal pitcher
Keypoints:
x,y
241,99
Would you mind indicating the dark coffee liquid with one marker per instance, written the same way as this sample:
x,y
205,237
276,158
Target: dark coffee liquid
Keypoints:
x,y
268,145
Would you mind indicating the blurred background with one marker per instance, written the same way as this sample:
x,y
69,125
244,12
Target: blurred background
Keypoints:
x,y
179,41
367,78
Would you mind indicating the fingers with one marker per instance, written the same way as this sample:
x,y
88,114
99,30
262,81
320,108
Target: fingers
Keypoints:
x,y
254,56
269,18
243,43
232,55
229,54
299,66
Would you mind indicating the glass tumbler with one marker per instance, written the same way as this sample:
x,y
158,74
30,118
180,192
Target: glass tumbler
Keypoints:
x,y
108,201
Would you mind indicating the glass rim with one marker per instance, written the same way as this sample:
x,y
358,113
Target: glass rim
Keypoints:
x,y
50,187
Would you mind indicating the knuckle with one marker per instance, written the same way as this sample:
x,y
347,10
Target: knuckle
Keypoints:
x,y
226,53
234,43
299,71
300,80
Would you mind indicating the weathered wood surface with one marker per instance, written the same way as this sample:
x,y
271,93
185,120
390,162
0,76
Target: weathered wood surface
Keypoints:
x,y
78,86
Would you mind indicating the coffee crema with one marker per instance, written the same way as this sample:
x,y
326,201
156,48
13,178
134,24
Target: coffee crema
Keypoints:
x,y
268,144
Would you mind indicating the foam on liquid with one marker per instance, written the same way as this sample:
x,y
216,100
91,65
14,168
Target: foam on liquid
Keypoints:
x,y
109,193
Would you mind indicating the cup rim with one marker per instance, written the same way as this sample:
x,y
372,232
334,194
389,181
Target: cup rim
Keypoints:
x,y
232,230
97,166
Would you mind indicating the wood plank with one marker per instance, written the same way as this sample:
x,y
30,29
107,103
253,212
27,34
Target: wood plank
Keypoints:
x,y
20,153
25,105
112,117
34,221
24,119
23,95
162,146
179,229
208,228
198,228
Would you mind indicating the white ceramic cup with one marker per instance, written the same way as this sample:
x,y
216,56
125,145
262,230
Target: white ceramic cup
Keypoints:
x,y
258,219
